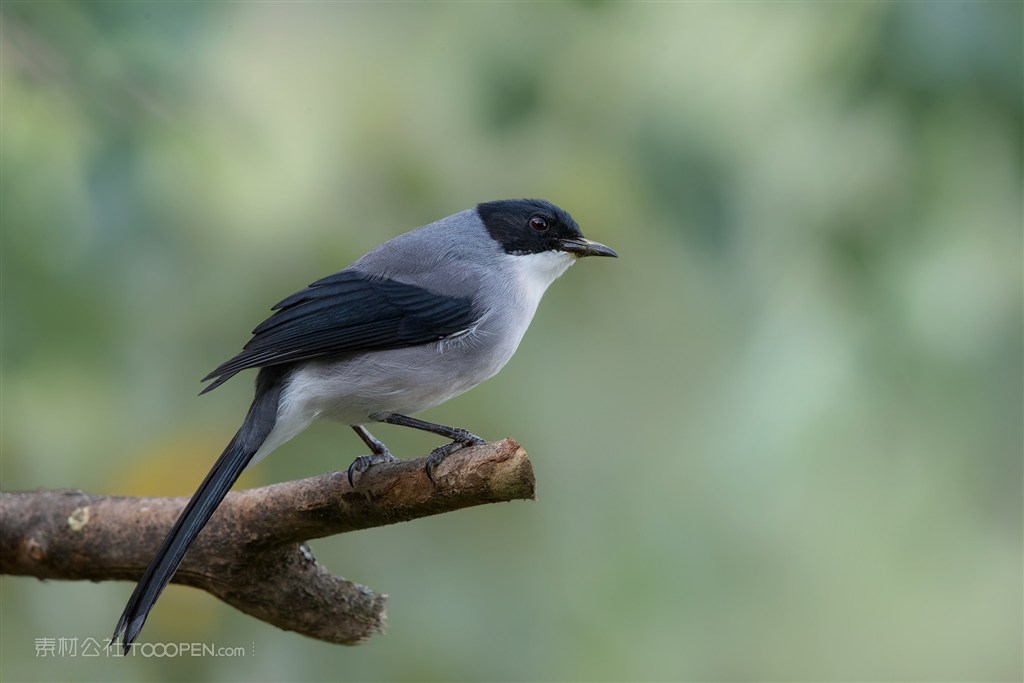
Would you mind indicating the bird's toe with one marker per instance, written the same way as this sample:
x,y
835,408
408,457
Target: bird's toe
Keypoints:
x,y
364,462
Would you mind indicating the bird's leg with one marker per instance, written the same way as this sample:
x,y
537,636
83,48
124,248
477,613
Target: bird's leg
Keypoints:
x,y
379,453
460,438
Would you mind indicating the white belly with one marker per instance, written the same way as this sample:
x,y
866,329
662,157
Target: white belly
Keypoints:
x,y
359,389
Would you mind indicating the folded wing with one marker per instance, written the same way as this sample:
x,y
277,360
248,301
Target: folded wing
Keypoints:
x,y
348,312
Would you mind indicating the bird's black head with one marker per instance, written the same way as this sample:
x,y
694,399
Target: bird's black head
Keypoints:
x,y
533,226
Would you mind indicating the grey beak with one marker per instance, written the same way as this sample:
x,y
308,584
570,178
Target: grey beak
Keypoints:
x,y
584,247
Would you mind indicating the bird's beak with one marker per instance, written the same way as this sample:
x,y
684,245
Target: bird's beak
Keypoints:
x,y
580,247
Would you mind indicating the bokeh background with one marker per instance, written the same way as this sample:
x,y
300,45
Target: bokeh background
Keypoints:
x,y
779,439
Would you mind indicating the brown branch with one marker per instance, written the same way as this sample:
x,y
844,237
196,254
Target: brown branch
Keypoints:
x,y
252,554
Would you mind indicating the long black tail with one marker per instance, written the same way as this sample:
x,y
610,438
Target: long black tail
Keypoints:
x,y
251,435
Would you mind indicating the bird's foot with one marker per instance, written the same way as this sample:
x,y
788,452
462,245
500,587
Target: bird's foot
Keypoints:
x,y
463,439
363,462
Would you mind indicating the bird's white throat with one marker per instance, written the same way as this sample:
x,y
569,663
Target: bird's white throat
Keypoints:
x,y
536,272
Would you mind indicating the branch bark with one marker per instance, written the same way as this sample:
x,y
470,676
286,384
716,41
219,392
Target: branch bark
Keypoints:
x,y
252,553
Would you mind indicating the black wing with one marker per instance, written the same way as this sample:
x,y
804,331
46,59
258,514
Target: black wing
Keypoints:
x,y
344,313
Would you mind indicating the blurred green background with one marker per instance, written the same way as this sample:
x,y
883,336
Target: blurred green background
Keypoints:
x,y
780,438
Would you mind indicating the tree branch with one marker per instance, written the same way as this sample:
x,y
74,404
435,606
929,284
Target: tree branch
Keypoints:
x,y
252,554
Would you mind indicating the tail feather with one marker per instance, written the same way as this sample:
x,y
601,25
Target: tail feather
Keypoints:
x,y
254,430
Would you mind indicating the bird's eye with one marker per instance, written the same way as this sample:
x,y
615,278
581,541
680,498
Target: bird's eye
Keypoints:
x,y
539,223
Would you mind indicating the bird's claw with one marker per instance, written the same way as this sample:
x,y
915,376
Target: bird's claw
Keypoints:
x,y
363,462
464,440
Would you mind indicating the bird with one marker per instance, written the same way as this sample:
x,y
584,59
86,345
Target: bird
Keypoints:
x,y
416,321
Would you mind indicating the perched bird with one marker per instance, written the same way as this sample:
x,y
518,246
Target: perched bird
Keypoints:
x,y
420,319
